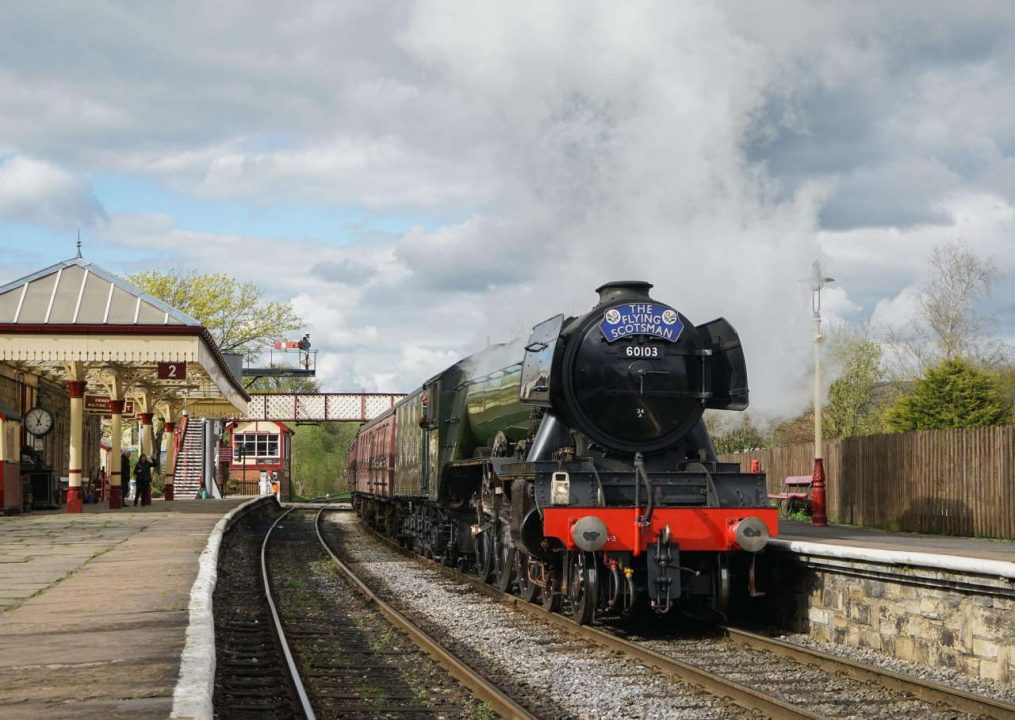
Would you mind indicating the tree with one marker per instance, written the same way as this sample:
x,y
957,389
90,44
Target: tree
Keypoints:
x,y
948,301
320,458
298,384
948,325
955,394
854,399
234,312
795,430
744,435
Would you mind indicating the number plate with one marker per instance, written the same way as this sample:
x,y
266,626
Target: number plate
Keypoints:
x,y
642,351
172,371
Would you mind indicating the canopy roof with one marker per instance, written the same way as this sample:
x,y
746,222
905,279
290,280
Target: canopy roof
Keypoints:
x,y
79,292
75,317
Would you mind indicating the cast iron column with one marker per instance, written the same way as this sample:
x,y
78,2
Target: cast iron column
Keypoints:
x,y
75,494
170,428
115,460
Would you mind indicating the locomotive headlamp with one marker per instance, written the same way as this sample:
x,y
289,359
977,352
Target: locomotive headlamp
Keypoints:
x,y
560,488
750,533
589,533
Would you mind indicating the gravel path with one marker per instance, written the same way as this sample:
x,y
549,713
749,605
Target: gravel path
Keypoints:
x,y
544,668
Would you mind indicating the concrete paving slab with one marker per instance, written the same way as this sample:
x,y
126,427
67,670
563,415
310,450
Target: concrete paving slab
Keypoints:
x,y
103,609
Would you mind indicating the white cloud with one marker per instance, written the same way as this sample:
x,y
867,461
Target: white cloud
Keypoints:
x,y
38,192
897,312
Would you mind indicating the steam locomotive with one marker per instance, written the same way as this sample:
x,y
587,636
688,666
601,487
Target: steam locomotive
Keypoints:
x,y
574,468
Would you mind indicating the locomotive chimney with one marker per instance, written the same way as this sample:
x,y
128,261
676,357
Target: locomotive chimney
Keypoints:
x,y
624,290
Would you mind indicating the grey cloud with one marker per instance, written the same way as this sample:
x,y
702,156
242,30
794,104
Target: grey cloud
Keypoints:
x,y
345,271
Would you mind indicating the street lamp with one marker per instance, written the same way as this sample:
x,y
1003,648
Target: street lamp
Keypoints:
x,y
818,516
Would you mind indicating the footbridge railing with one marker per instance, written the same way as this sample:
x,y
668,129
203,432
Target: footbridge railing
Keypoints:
x,y
319,407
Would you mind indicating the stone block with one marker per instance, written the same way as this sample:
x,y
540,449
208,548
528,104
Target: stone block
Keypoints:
x,y
946,636
887,628
985,649
853,636
818,616
874,588
930,607
990,669
904,648
871,639
860,613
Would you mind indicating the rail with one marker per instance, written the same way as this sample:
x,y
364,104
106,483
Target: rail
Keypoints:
x,y
932,692
479,685
294,673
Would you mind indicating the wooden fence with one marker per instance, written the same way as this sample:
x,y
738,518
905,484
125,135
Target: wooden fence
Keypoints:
x,y
955,482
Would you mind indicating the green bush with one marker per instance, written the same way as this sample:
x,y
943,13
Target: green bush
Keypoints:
x,y
955,394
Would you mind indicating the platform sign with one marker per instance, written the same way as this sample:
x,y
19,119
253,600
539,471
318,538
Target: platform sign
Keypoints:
x,y
99,404
172,370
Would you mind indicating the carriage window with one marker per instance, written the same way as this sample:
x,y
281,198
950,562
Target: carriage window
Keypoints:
x,y
256,444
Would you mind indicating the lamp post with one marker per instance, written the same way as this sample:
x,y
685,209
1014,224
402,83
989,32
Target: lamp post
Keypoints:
x,y
818,516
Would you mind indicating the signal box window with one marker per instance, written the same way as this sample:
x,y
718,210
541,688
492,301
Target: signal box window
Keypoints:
x,y
255,445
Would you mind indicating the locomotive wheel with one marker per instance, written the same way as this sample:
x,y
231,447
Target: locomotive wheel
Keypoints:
x,y
527,590
582,586
551,593
505,567
485,556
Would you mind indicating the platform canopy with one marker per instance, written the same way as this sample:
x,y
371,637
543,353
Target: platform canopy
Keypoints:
x,y
76,321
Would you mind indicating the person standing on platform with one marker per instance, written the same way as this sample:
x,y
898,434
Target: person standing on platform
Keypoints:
x,y
125,475
143,473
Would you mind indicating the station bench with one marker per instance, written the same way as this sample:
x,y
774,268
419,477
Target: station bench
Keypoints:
x,y
796,494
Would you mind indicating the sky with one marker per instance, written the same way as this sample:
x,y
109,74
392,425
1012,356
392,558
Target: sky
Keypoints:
x,y
422,178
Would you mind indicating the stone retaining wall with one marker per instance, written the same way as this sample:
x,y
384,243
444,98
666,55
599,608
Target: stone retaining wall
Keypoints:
x,y
934,617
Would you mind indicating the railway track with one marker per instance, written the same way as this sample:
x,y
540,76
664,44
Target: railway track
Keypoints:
x,y
764,674
249,679
479,686
297,639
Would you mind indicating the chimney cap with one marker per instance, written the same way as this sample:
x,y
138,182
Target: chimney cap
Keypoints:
x,y
623,289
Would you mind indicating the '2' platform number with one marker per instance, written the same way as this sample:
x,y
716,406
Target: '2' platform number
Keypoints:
x,y
172,371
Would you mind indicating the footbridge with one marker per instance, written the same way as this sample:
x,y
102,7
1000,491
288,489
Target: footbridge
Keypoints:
x,y
319,407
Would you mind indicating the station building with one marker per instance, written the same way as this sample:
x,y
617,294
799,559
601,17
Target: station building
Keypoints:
x,y
78,343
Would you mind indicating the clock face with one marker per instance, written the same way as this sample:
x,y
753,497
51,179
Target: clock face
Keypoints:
x,y
38,421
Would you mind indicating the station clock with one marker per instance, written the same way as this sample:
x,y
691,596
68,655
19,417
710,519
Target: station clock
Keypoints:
x,y
38,421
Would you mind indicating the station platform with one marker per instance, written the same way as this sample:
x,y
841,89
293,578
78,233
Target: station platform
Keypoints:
x,y
976,563
848,536
94,607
